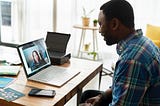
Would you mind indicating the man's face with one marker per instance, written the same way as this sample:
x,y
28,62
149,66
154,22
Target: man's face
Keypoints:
x,y
105,29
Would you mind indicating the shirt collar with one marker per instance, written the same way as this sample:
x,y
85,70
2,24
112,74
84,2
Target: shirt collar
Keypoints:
x,y
123,44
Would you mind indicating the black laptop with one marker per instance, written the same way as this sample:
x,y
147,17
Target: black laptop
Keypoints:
x,y
57,43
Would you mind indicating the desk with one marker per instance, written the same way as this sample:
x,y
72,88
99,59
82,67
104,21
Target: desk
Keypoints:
x,y
82,39
88,70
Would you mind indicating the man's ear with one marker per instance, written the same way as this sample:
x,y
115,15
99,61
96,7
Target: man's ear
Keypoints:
x,y
114,24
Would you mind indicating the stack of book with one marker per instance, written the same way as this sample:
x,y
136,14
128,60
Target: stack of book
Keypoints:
x,y
7,69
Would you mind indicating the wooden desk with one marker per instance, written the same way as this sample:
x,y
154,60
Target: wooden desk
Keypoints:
x,y
88,70
82,39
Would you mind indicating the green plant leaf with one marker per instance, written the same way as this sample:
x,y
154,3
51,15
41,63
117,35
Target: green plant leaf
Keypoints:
x,y
85,14
90,12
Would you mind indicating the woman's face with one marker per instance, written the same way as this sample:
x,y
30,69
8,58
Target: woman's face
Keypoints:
x,y
36,57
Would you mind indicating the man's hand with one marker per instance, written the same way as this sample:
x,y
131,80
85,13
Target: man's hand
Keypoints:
x,y
94,100
86,104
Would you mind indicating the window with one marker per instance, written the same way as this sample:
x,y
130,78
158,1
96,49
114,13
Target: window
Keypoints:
x,y
24,20
6,30
6,13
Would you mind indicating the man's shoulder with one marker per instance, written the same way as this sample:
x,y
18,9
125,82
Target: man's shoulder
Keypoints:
x,y
142,51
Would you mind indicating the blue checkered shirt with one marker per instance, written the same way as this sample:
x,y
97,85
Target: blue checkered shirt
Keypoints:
x,y
136,78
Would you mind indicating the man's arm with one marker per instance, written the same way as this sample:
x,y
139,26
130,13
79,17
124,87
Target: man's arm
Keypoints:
x,y
103,97
130,83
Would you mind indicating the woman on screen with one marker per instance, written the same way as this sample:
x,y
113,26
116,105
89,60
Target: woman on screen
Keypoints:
x,y
37,60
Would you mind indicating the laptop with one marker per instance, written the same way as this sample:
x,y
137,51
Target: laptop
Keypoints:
x,y
37,64
57,43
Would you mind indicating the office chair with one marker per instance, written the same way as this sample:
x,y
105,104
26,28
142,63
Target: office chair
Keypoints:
x,y
153,32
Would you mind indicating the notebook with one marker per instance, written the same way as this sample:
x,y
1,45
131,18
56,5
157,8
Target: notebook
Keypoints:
x,y
57,43
9,70
37,64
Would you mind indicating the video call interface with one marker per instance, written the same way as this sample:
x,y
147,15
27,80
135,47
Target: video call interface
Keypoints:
x,y
35,56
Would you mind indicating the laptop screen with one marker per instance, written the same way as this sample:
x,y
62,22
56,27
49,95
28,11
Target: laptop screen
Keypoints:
x,y
34,56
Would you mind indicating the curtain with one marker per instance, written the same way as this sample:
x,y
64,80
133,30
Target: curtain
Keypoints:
x,y
30,19
38,19
17,20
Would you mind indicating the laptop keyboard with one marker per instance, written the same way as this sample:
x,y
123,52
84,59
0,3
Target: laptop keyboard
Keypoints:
x,y
47,74
54,75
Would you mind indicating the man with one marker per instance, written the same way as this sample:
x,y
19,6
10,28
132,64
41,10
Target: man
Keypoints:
x,y
136,79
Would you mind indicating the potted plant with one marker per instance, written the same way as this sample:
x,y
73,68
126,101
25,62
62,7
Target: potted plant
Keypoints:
x,y
85,17
94,54
95,21
86,47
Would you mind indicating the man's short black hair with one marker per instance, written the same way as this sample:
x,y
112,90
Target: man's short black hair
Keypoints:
x,y
119,9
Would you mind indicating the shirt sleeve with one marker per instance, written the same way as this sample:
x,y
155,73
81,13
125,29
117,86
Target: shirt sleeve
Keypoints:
x,y
130,83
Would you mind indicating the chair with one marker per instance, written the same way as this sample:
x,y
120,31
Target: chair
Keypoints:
x,y
153,32
106,71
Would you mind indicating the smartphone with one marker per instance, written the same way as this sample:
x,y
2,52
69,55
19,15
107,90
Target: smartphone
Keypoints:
x,y
42,92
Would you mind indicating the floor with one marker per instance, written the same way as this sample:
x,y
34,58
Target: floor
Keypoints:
x,y
106,81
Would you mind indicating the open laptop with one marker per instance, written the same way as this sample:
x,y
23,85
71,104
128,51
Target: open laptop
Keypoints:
x,y
57,43
42,71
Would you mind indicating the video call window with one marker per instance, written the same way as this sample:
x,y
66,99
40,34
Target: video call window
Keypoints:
x,y
36,57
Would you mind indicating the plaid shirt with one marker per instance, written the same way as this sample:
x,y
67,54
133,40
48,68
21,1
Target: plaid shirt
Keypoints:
x,y
136,78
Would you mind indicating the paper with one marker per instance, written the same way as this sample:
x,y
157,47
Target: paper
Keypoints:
x,y
4,81
10,94
9,70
